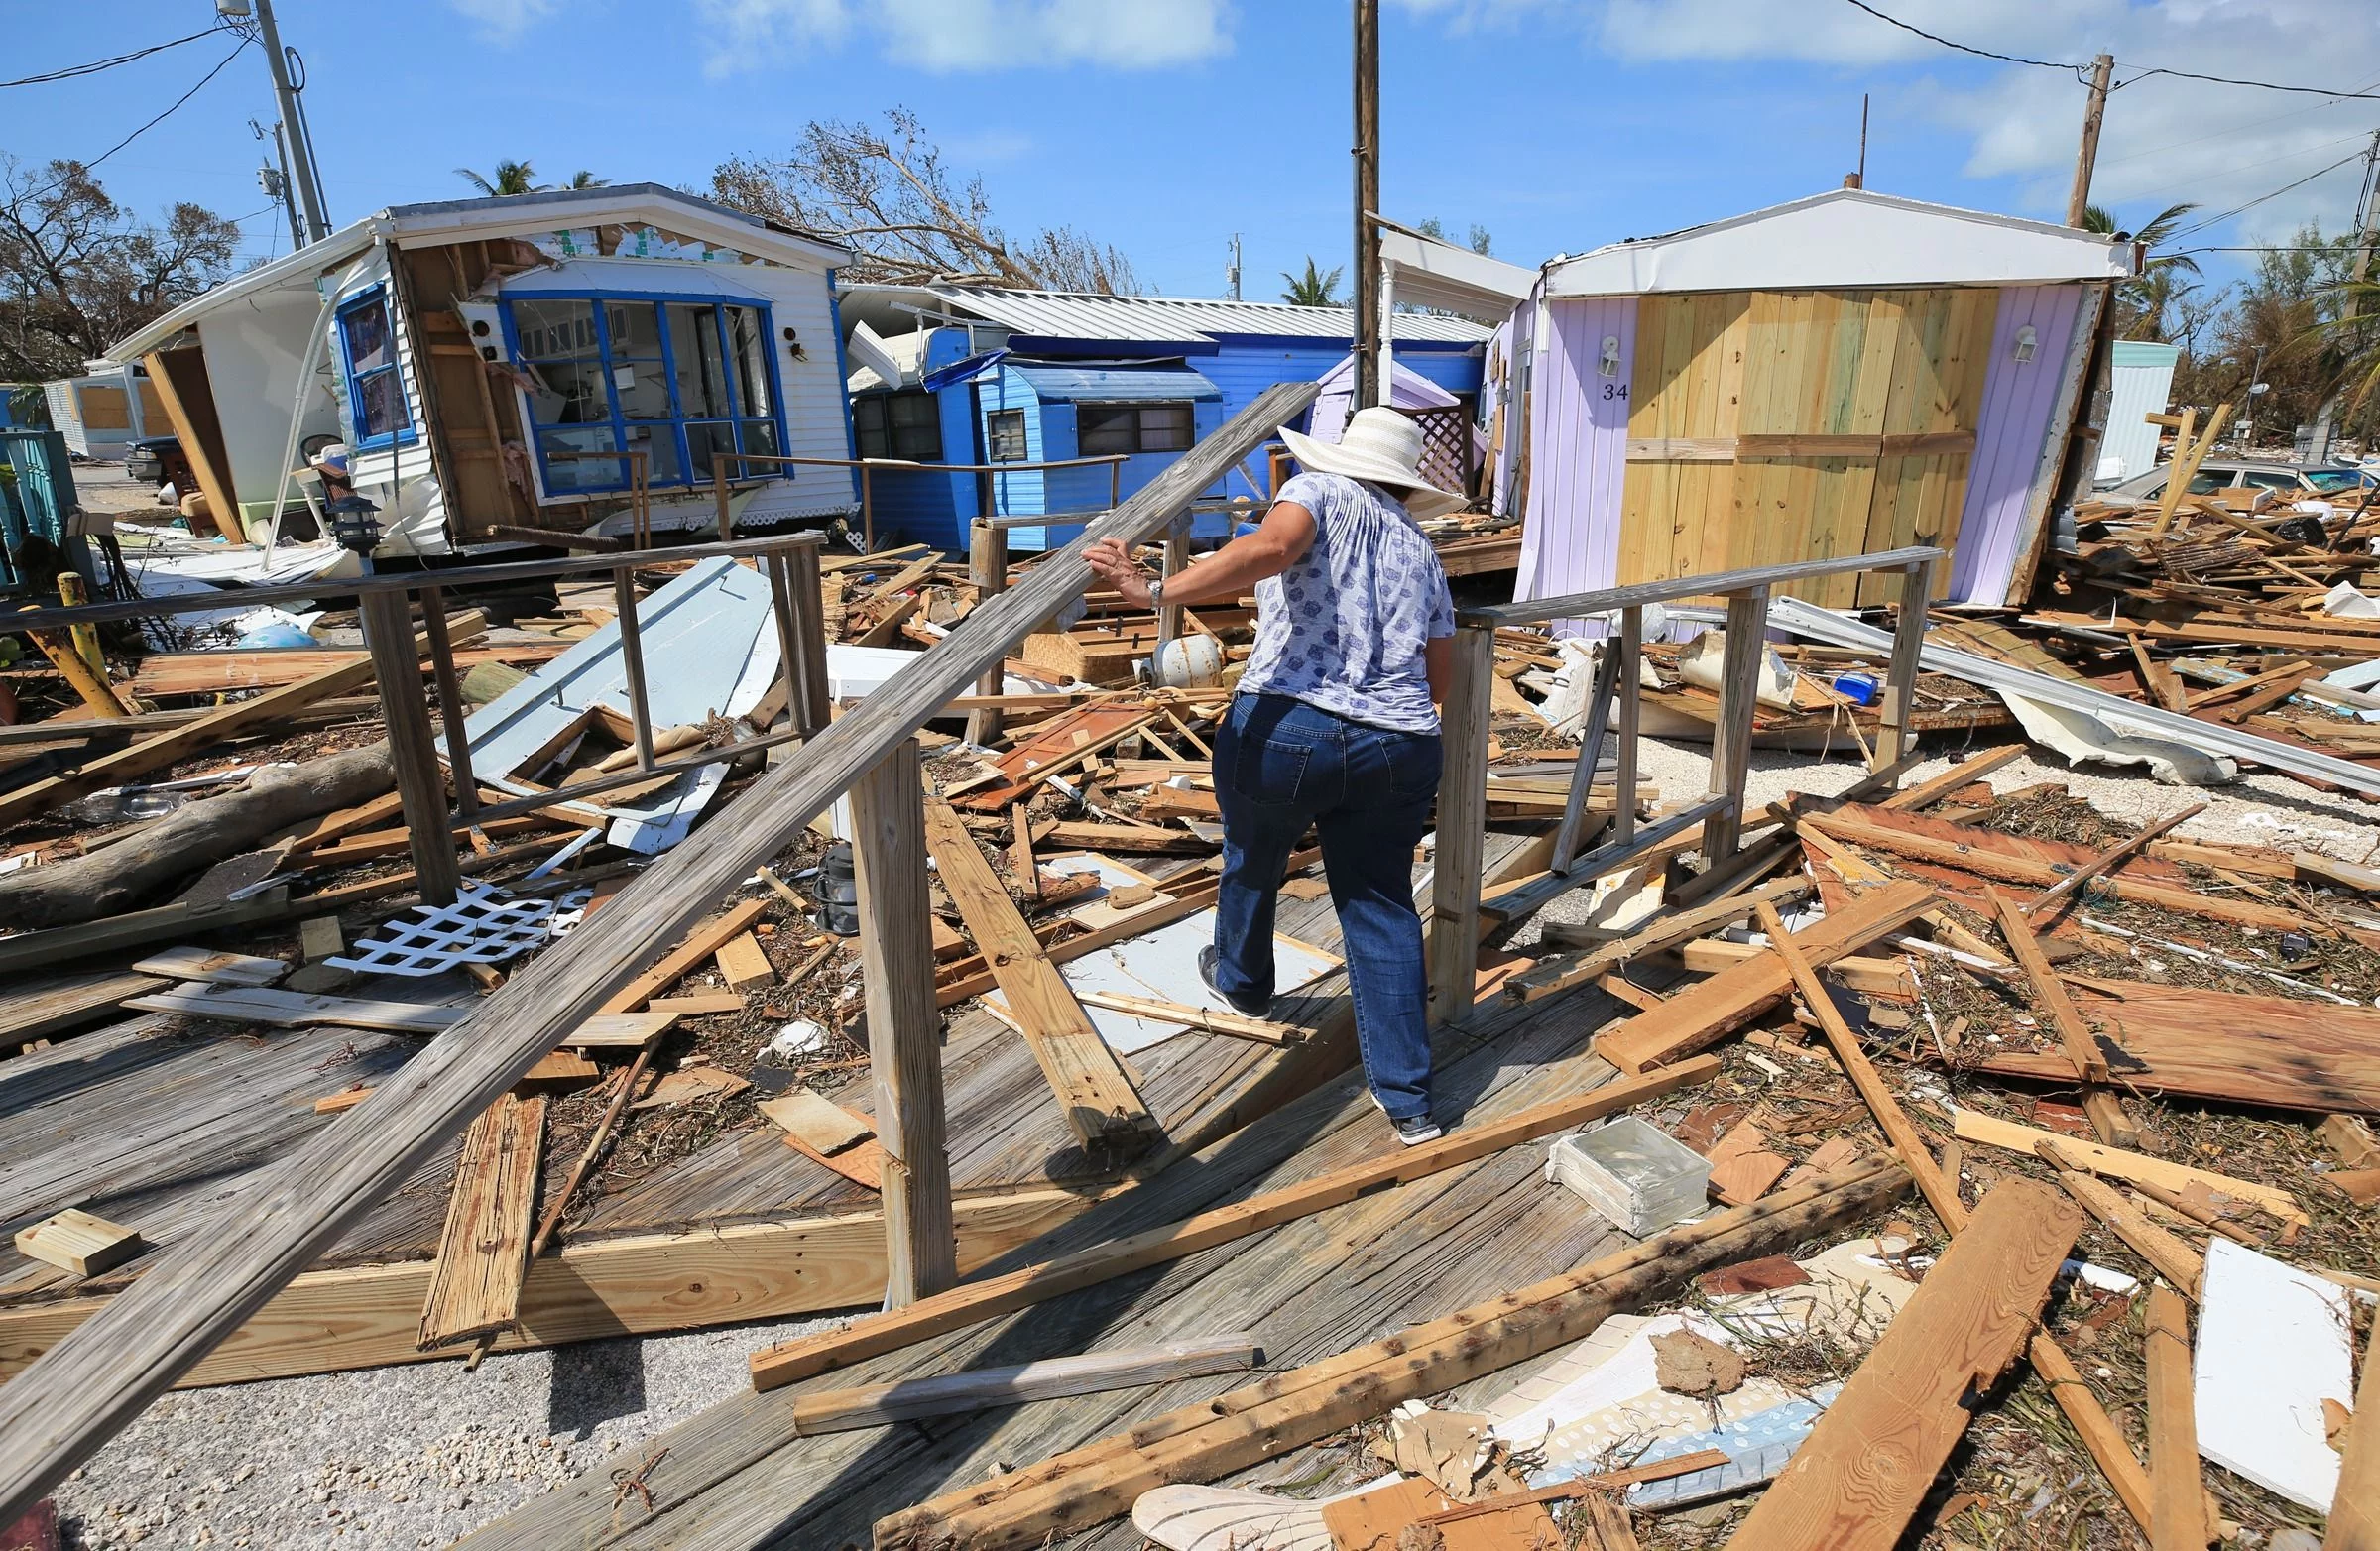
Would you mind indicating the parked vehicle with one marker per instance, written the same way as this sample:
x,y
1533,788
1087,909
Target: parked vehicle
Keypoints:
x,y
155,460
2290,481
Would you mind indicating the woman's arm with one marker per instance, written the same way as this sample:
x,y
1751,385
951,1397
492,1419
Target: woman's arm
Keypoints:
x,y
1438,662
1278,543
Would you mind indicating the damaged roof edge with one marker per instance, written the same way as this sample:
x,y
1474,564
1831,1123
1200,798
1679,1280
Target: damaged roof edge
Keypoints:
x,y
507,215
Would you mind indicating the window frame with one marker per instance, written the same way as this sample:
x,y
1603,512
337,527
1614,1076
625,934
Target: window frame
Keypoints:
x,y
1136,407
887,433
405,436
1024,439
676,425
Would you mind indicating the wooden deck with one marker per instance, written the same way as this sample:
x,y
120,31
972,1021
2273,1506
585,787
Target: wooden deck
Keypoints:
x,y
736,1475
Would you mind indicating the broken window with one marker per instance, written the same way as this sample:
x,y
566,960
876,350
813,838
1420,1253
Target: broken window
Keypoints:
x,y
376,406
1004,436
898,425
1132,427
680,380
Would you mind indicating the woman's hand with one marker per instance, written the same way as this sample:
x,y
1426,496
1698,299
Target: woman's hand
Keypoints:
x,y
1116,566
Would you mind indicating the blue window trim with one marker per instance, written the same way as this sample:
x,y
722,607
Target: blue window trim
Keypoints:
x,y
676,423
405,436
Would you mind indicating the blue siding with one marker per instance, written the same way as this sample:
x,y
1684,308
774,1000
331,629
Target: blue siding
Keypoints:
x,y
932,508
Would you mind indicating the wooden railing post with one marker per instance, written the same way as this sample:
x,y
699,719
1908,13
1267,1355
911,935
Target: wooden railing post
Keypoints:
x,y
450,703
905,1030
1630,685
1731,739
1454,943
389,635
988,563
1591,754
632,657
1177,556
1893,737
811,696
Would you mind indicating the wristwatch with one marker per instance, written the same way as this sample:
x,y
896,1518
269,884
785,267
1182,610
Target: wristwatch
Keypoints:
x,y
1156,592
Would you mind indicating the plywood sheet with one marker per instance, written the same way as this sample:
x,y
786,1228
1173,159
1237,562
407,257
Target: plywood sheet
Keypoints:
x,y
1162,966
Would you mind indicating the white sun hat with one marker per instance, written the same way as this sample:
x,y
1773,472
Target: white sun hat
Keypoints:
x,y
1383,446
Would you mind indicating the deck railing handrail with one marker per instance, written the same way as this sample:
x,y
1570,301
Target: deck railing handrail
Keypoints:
x,y
1578,605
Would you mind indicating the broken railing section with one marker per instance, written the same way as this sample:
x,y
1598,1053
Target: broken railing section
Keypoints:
x,y
1455,908
87,1386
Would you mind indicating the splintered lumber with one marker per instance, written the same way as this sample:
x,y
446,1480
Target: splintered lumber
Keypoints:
x,y
172,747
1089,1485
1705,1013
2172,1259
2091,1420
1976,1125
78,1241
212,965
2081,1047
972,1303
2355,1507
825,1125
744,965
703,942
1564,970
1965,774
879,1406
1099,1100
2177,1500
2350,1142
278,1009
624,1030
2108,858
1871,1458
94,1380
1214,1021
482,1255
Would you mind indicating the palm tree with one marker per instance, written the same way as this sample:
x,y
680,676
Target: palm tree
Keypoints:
x,y
1313,288
582,179
2145,298
2159,232
512,178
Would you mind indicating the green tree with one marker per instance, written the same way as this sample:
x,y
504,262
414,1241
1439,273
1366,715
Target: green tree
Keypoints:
x,y
582,179
1313,288
512,178
2143,303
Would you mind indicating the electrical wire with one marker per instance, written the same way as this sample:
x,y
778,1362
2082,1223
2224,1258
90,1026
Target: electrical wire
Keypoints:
x,y
237,50
2216,220
2080,70
73,71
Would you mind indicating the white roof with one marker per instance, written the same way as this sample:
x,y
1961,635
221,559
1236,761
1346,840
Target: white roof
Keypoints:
x,y
511,215
1061,315
1429,273
1843,239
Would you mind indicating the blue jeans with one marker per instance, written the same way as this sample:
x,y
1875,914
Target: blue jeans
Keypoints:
x,y
1281,765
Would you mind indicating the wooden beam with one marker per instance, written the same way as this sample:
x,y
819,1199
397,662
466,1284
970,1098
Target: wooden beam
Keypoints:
x,y
2178,1498
2082,1046
1560,972
1859,1476
482,1255
2065,886
1965,774
1703,1015
2172,1259
2355,1507
79,1393
412,753
1089,1485
1099,1100
1461,829
910,1400
969,1304
905,1029
702,943
1976,1125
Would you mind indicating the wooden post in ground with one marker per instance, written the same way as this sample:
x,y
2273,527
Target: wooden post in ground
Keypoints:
x,y
632,657
988,563
450,702
1731,739
1177,555
388,634
905,1030
811,695
1893,738
1629,686
1454,942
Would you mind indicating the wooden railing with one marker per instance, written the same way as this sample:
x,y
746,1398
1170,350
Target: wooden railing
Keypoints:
x,y
1463,791
867,467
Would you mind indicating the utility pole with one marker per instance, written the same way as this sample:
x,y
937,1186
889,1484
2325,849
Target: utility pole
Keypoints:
x,y
2367,227
1367,201
2088,158
302,171
1235,270
274,180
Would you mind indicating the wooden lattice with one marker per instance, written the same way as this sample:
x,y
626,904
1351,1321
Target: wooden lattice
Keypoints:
x,y
1446,446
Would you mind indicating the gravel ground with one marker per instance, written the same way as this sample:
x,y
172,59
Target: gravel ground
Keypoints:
x,y
418,1454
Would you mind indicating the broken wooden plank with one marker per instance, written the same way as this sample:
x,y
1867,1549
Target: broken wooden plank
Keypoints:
x,y
625,1031
213,966
1082,1488
1099,1100
792,1361
2081,1047
1869,1460
1976,1125
2172,1259
79,1241
47,1007
483,1253
1703,1015
1212,1020
879,1406
702,1003
823,1125
2177,1501
1742,1166
2356,1506
2350,1142
297,1009
1965,774
745,965
1563,971
701,943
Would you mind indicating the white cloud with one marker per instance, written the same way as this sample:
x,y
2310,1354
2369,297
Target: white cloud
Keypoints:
x,y
506,20
974,35
2163,140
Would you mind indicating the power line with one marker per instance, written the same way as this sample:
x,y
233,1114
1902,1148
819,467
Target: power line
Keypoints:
x,y
72,72
162,117
2078,70
2216,220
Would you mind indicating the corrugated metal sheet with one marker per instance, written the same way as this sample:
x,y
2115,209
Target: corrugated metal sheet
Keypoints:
x,y
1580,448
1053,315
2010,429
1098,385
2142,377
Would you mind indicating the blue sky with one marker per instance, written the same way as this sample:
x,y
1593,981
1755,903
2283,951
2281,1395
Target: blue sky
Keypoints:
x,y
1163,126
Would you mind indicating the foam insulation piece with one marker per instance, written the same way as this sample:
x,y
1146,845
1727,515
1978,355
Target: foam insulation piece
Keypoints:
x,y
2273,1344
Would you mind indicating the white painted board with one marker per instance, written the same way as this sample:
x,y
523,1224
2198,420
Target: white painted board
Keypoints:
x,y
2273,1344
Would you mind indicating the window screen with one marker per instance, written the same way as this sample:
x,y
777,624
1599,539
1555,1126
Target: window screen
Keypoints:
x,y
1004,436
898,425
1132,427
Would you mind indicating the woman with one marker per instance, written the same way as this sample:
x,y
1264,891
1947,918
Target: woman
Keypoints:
x,y
1335,725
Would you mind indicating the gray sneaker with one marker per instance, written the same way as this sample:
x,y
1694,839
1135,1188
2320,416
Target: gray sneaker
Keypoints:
x,y
1246,1006
1413,1129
